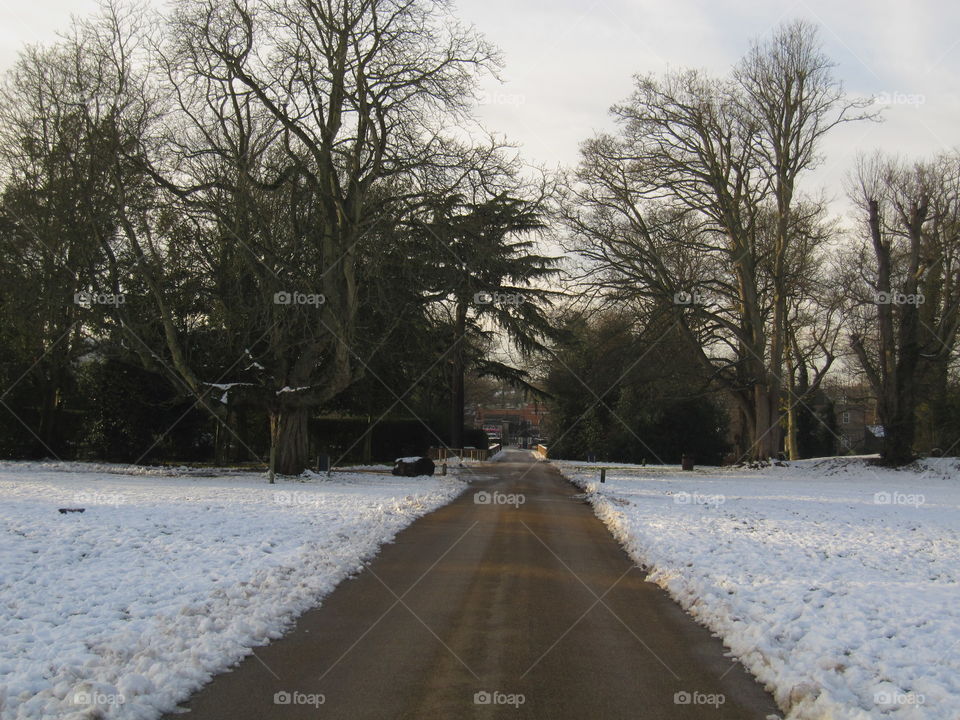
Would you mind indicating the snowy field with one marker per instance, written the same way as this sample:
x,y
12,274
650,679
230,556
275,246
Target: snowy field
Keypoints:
x,y
171,575
835,583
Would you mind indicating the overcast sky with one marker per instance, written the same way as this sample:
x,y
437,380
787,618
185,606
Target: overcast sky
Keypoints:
x,y
567,61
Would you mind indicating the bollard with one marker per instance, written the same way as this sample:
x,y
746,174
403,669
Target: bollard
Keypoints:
x,y
443,469
686,463
603,474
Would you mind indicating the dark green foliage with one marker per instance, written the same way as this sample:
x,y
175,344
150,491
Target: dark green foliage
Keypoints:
x,y
124,413
345,439
630,397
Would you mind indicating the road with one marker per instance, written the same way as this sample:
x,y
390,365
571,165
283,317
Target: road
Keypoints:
x,y
500,609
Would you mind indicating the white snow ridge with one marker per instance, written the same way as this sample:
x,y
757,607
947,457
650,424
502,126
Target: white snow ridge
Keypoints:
x,y
124,610
835,583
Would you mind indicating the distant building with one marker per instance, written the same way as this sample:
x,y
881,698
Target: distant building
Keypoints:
x,y
858,427
524,421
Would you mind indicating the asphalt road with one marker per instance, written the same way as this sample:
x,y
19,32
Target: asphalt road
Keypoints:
x,y
493,610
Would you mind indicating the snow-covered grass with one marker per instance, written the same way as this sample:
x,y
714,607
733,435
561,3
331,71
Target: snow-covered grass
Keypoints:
x,y
834,582
171,575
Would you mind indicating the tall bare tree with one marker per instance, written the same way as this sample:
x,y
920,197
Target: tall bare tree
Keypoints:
x,y
787,90
295,130
905,304
697,198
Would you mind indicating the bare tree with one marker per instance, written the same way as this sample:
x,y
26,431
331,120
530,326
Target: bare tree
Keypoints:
x,y
295,131
789,94
910,216
698,198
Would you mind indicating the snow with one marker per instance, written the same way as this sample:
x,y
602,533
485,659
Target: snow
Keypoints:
x,y
378,467
835,583
227,387
171,575
451,460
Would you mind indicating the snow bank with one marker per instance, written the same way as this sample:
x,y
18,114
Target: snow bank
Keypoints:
x,y
125,610
834,583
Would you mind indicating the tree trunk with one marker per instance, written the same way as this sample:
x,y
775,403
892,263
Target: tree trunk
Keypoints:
x,y
762,427
895,375
457,398
898,438
368,441
456,406
220,443
290,450
274,431
753,347
798,389
792,445
49,430
778,349
938,386
793,448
